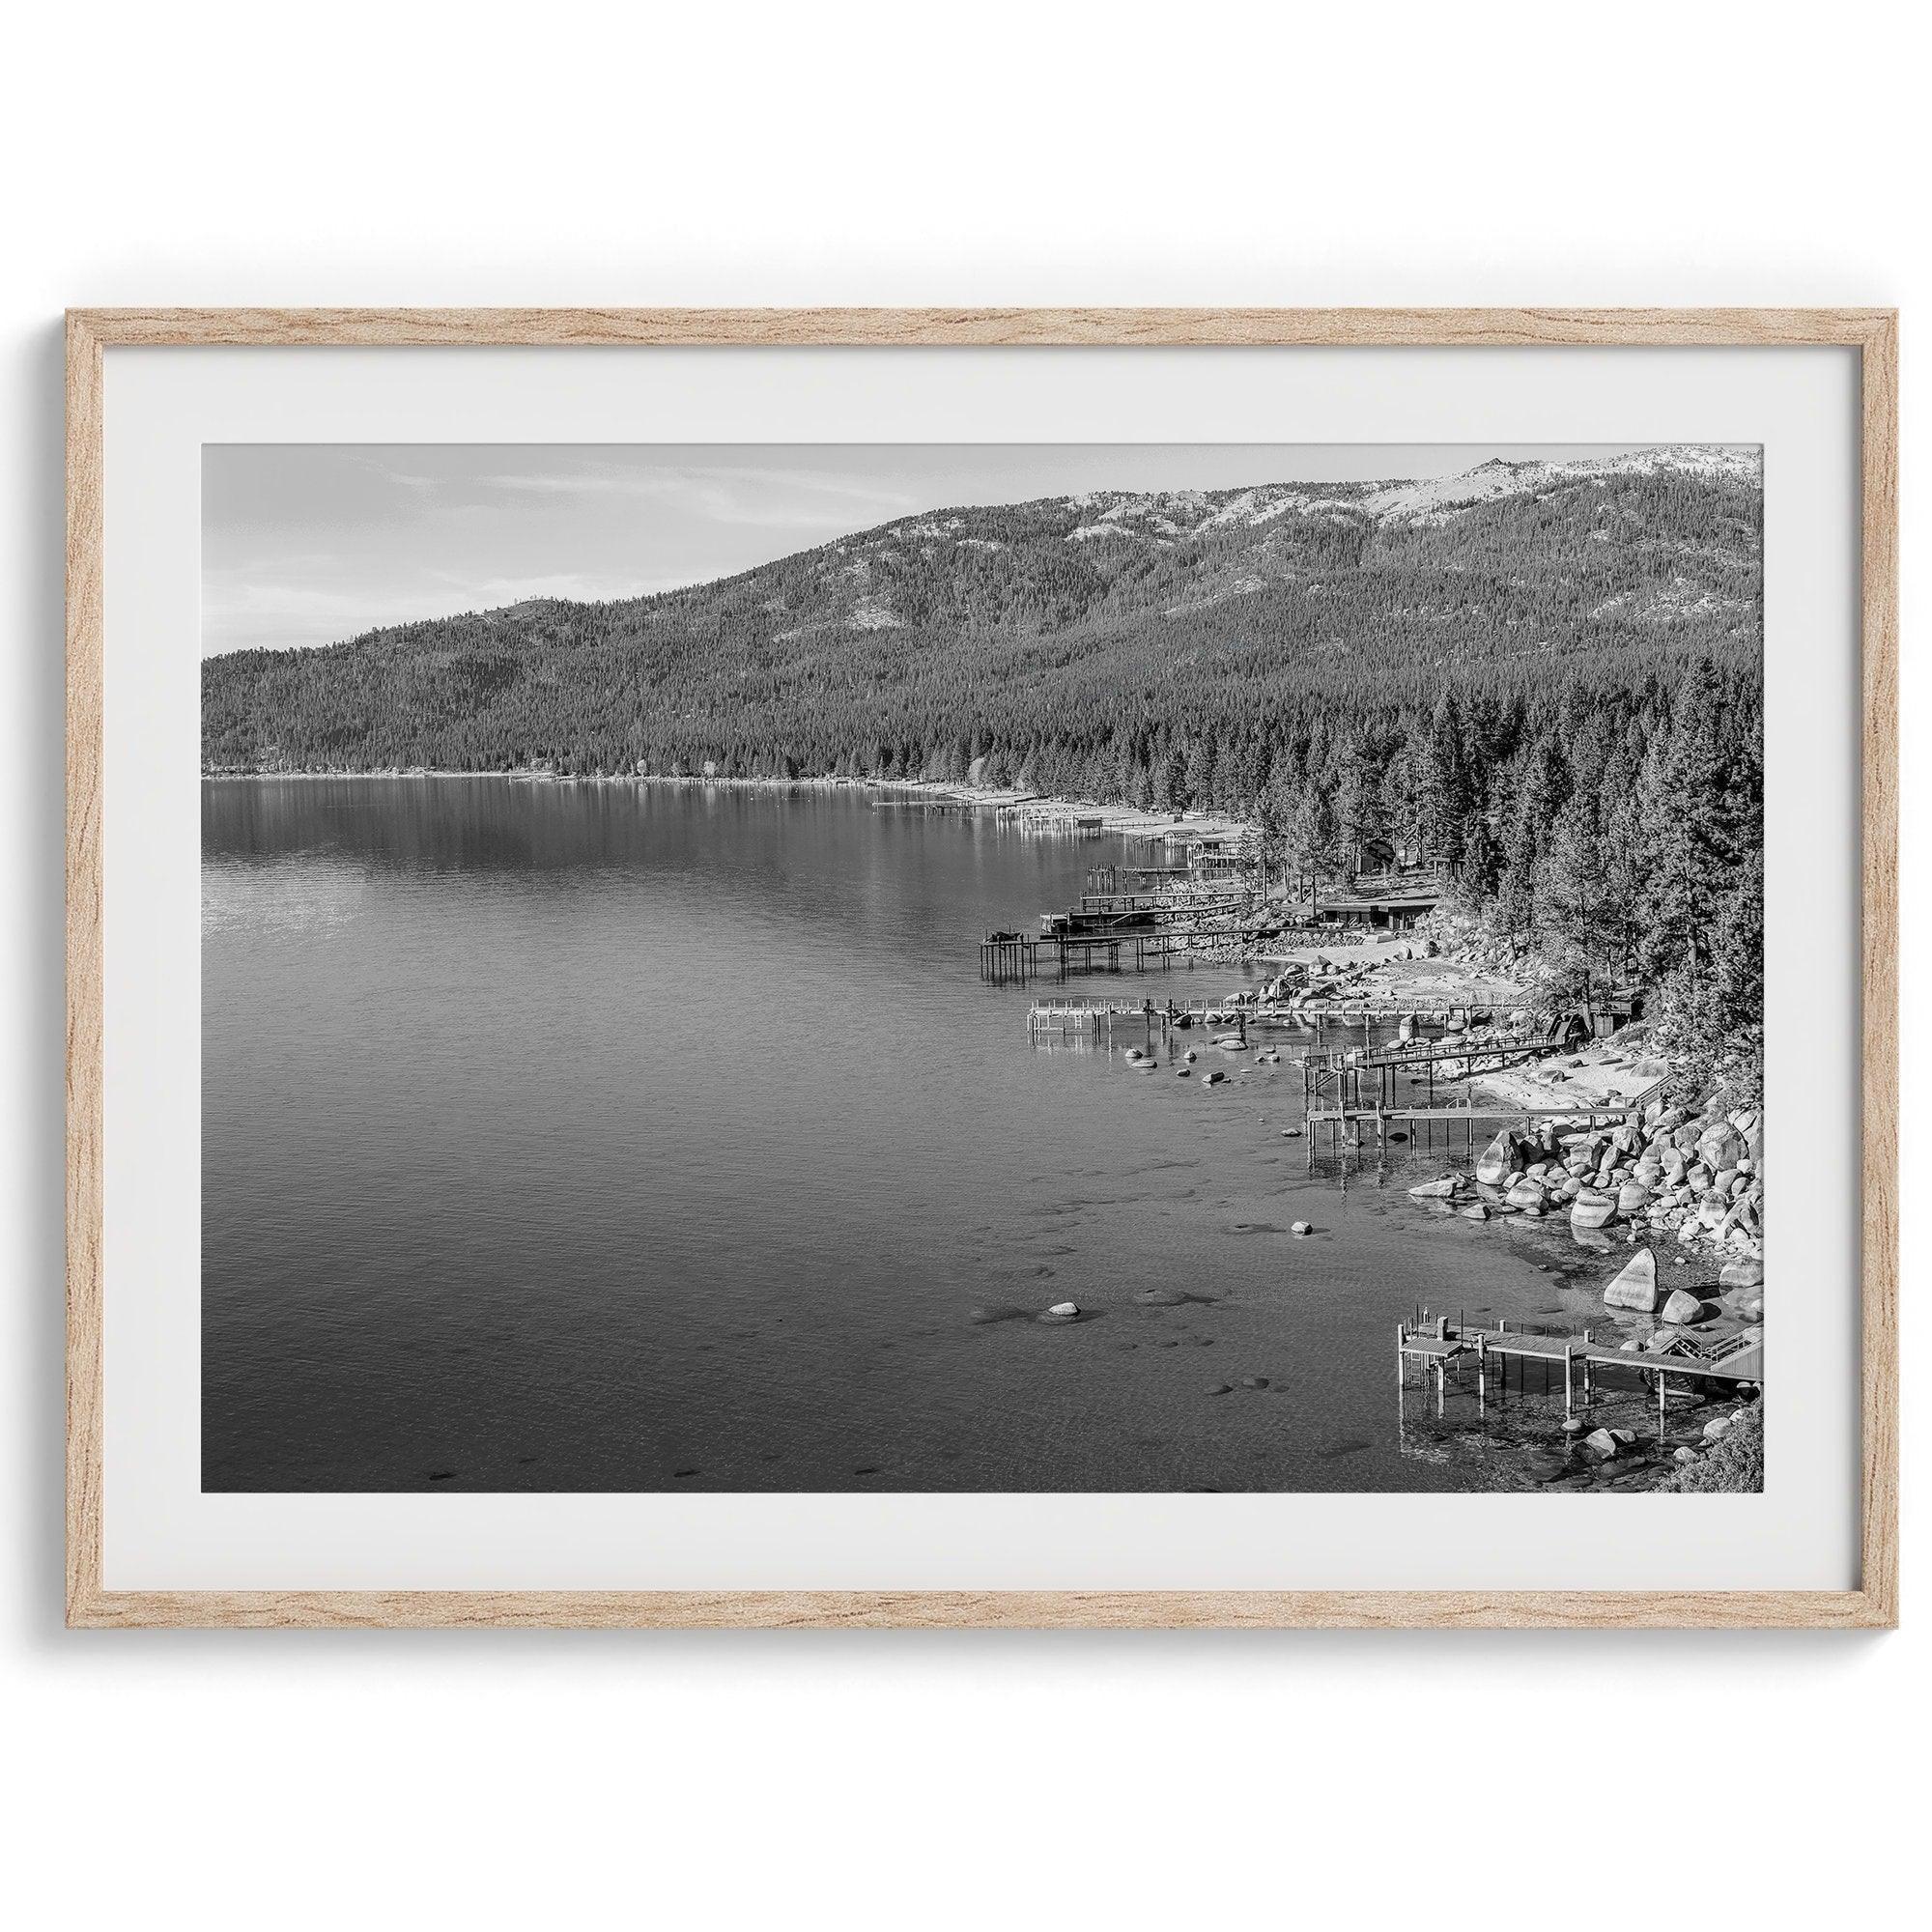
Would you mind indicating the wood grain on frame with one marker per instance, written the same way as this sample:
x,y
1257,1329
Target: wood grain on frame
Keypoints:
x,y
1873,332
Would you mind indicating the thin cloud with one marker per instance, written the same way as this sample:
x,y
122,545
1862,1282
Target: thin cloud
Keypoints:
x,y
408,480
726,494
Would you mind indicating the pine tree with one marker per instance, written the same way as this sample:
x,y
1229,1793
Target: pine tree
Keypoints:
x,y
1445,789
1694,783
1360,814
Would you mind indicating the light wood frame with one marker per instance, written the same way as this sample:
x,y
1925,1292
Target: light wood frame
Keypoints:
x,y
1873,332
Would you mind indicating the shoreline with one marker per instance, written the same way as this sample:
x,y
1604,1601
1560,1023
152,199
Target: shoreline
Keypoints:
x,y
1031,807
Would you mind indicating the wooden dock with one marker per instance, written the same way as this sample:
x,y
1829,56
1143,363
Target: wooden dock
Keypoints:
x,y
1100,1016
1392,1089
1442,1345
1069,1014
1020,955
1338,1083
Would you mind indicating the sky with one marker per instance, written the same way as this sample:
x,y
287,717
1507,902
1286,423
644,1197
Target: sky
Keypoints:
x,y
305,544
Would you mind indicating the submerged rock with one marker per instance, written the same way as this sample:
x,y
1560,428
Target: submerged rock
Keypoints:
x,y
1436,1189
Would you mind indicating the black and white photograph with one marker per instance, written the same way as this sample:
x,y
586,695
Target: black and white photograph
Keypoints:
x,y
907,909
982,968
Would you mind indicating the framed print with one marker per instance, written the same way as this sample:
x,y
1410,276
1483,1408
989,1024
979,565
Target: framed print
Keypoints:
x,y
1011,967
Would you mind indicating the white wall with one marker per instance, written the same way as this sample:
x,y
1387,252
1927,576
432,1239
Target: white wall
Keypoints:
x,y
840,154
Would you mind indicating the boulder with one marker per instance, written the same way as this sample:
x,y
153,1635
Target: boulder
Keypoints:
x,y
1062,1310
1436,1190
1741,1274
1600,1443
1683,1306
1499,1159
1301,1226
1718,1425
1592,1211
1633,1198
1684,1455
1636,1286
1474,1211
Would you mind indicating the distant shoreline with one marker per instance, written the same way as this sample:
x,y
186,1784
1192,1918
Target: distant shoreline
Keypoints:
x,y
1032,808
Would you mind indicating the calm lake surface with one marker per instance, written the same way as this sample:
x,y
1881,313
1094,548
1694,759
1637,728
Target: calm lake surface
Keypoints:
x,y
613,1137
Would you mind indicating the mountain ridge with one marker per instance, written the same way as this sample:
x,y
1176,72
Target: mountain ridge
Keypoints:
x,y
980,620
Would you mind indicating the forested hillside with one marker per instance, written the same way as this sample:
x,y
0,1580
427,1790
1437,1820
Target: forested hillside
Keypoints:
x,y
1547,672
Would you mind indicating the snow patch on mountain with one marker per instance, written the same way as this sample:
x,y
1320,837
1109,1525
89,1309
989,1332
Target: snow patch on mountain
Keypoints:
x,y
1435,499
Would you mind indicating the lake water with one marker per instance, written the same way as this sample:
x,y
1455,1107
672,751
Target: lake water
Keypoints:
x,y
613,1137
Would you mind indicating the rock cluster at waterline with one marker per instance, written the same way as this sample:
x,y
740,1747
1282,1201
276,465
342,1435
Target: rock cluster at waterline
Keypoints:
x,y
1695,1178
